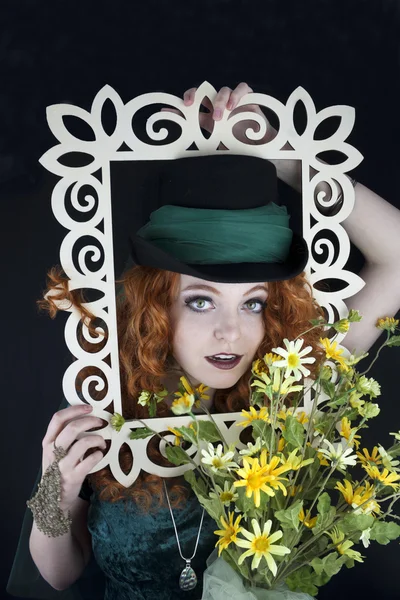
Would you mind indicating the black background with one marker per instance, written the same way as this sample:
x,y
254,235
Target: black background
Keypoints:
x,y
341,52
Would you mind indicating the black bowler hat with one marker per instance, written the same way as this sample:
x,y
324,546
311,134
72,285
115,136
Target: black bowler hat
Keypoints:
x,y
219,220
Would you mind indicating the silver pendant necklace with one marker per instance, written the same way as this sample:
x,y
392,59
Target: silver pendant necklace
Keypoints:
x,y
188,578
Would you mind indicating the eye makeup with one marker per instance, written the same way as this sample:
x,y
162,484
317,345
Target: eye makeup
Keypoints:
x,y
188,301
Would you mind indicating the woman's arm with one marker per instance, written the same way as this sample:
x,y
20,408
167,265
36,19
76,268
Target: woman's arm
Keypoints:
x,y
62,560
374,227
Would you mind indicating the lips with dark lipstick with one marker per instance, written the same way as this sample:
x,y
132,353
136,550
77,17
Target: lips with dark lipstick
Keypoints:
x,y
224,360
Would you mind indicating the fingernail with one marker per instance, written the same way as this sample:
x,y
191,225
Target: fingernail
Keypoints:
x,y
217,113
229,105
88,408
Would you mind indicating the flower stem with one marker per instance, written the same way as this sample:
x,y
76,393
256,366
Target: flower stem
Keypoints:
x,y
172,446
377,354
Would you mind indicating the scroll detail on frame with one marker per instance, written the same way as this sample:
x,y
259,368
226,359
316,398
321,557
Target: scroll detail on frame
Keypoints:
x,y
94,208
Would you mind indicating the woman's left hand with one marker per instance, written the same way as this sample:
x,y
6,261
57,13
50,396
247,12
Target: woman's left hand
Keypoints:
x,y
226,99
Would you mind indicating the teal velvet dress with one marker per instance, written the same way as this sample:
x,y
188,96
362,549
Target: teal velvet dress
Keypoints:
x,y
138,552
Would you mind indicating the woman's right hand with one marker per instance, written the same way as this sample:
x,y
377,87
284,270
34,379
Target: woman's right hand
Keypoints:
x,y
228,99
63,430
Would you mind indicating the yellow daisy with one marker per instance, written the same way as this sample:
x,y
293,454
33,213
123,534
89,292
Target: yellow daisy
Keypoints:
x,y
272,471
383,477
200,390
301,416
183,404
388,323
322,459
342,547
253,478
346,431
294,462
281,444
259,367
253,415
332,351
295,489
309,522
177,434
186,385
358,497
229,532
270,358
261,545
370,459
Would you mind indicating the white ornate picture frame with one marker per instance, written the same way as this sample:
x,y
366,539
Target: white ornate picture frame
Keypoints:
x,y
97,205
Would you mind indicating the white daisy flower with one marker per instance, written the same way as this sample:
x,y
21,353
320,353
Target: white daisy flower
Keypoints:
x,y
216,460
293,359
339,458
388,460
252,448
364,538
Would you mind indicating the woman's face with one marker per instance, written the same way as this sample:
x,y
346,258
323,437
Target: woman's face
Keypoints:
x,y
217,328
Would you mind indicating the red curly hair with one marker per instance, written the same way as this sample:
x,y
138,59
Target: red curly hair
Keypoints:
x,y
145,351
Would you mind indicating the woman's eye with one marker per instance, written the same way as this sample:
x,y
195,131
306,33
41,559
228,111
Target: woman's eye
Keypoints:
x,y
197,304
256,305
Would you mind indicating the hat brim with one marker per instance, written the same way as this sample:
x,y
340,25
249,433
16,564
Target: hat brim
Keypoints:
x,y
147,254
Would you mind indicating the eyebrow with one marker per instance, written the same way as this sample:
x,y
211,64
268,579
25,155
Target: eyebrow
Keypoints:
x,y
209,288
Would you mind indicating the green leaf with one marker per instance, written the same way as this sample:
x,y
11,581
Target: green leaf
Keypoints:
x,y
176,455
303,580
322,423
289,536
324,503
257,398
152,407
294,432
313,469
140,433
383,532
355,523
290,516
338,401
261,429
330,564
349,562
188,434
394,341
208,432
244,503
161,394
319,546
213,506
324,521
329,388
197,484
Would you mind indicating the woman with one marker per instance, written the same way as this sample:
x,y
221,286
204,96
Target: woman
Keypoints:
x,y
166,330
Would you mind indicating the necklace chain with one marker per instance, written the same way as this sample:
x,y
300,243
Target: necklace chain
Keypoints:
x,y
176,532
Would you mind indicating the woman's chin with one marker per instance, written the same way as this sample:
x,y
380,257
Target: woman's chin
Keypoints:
x,y
222,380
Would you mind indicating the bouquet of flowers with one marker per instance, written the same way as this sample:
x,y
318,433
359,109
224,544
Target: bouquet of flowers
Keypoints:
x,y
292,505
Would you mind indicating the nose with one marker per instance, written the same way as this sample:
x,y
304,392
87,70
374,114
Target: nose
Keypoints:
x,y
228,329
